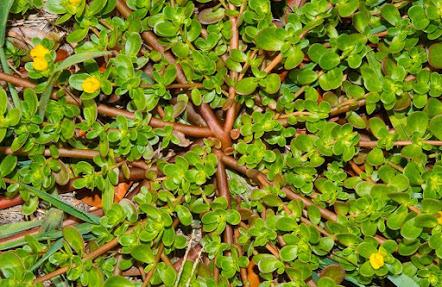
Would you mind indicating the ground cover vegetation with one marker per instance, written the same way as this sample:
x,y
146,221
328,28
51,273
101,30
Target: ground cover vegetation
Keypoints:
x,y
221,143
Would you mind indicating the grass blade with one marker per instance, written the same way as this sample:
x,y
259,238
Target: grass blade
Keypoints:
x,y
58,203
403,280
54,248
84,228
16,227
5,6
44,99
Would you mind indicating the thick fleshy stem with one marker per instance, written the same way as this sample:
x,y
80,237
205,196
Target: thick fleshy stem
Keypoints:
x,y
223,190
234,42
206,110
261,179
217,129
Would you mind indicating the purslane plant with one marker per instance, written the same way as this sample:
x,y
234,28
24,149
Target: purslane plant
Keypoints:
x,y
229,143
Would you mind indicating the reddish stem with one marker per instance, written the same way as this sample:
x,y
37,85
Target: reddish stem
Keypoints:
x,y
256,175
273,63
223,190
63,152
10,202
113,112
234,42
212,122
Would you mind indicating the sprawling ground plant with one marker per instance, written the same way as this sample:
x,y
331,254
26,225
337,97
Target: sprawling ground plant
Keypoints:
x,y
222,143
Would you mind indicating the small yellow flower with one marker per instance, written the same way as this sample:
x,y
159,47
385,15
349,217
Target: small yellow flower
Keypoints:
x,y
74,2
40,64
39,51
91,85
439,217
376,260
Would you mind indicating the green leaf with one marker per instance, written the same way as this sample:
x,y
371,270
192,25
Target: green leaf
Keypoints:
x,y
372,82
90,111
402,280
55,7
435,55
294,58
8,165
430,205
426,220
375,157
335,272
347,8
165,29
390,13
3,101
143,253
77,35
417,122
410,231
356,120
259,6
435,126
378,127
166,273
325,282
133,44
95,7
331,80
58,203
314,214
211,15
418,17
270,39
269,264
74,238
286,224
329,60
118,281
184,215
11,265
289,253
246,86
271,83
108,195
78,58
233,217
316,51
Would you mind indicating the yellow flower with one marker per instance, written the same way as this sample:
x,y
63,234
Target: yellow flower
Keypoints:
x,y
40,64
39,51
74,2
91,85
376,260
439,217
